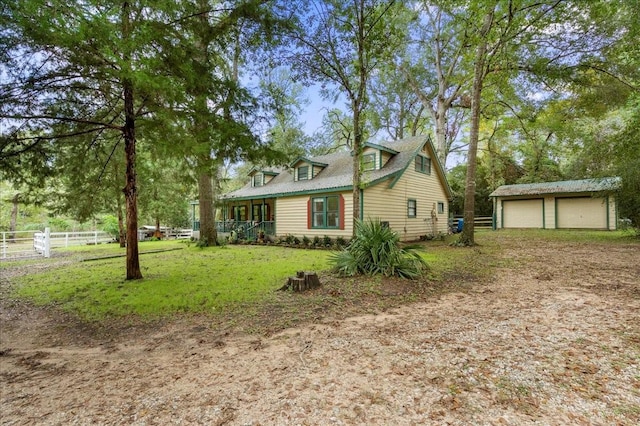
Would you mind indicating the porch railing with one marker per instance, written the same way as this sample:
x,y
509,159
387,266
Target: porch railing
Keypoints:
x,y
246,230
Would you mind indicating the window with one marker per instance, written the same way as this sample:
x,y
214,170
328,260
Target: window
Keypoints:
x,y
440,207
368,162
258,179
325,212
257,213
412,208
239,213
423,164
303,173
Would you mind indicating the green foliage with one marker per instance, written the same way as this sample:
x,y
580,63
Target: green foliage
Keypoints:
x,y
376,250
110,225
58,224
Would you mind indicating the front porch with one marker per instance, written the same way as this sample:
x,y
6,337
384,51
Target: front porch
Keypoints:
x,y
249,219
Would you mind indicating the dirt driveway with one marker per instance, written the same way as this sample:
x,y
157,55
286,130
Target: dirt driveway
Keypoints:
x,y
553,338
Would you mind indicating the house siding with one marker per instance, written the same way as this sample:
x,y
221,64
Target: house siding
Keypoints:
x,y
390,204
292,216
385,158
316,170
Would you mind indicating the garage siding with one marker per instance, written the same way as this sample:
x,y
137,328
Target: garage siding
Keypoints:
x,y
563,212
581,213
523,213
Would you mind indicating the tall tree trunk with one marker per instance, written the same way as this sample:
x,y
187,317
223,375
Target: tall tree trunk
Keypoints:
x,y
357,154
14,217
468,231
206,169
130,190
442,148
208,232
158,232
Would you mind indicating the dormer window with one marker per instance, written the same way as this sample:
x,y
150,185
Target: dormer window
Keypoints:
x,y
303,173
258,180
368,162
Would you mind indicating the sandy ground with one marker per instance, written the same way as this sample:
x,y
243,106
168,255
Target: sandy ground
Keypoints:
x,y
553,338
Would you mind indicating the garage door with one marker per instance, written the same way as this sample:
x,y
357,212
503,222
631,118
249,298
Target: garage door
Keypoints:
x,y
522,214
583,212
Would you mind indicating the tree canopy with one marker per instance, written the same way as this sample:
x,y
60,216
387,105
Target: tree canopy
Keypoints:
x,y
104,103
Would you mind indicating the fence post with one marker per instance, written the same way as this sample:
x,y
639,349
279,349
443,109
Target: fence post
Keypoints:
x,y
66,239
95,238
4,245
47,242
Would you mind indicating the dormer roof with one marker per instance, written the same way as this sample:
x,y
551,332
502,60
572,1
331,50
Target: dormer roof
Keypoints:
x,y
312,162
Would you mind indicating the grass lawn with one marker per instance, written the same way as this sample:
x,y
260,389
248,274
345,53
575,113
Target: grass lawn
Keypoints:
x,y
236,283
187,280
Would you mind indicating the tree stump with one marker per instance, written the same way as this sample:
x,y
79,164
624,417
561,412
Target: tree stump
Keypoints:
x,y
302,281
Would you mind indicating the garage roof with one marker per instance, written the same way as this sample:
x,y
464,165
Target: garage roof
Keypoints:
x,y
565,186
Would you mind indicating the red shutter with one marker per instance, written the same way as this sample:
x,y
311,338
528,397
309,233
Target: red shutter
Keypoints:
x,y
309,212
341,207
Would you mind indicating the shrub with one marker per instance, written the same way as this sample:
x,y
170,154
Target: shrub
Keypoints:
x,y
341,242
376,250
306,241
316,241
326,241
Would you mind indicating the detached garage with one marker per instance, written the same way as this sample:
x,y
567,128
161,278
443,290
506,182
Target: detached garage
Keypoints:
x,y
571,204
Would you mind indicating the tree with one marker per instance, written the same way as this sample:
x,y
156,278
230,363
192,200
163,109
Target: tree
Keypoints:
x,y
210,39
342,43
440,77
79,68
514,37
89,179
286,102
395,107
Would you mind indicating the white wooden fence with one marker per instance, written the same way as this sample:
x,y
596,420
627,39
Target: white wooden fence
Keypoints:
x,y
17,244
21,244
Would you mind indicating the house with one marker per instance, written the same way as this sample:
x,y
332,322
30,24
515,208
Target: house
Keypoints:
x,y
579,204
403,185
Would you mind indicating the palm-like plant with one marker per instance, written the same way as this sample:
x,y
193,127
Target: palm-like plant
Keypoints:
x,y
376,250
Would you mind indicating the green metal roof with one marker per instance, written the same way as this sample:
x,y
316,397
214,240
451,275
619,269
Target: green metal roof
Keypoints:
x,y
566,186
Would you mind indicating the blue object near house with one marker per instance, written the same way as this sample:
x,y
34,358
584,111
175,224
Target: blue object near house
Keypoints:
x,y
460,225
